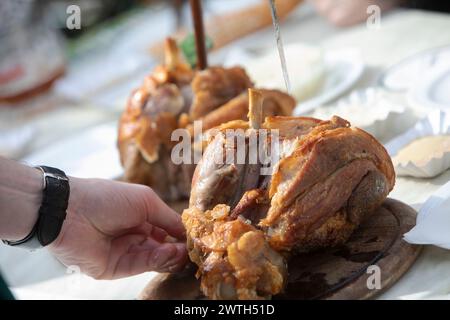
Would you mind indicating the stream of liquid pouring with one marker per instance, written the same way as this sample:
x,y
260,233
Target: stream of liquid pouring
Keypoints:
x,y
276,26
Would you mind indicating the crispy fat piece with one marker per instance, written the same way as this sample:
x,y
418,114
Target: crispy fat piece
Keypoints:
x,y
234,259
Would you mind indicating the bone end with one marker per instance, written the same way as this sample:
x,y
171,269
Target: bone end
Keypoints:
x,y
171,53
255,104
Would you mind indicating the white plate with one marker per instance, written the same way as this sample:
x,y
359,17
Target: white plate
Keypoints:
x,y
342,69
433,91
403,75
88,154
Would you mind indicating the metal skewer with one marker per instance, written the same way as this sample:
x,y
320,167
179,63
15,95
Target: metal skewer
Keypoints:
x,y
276,26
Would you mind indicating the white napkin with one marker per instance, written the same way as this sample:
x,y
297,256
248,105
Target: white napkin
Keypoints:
x,y
433,221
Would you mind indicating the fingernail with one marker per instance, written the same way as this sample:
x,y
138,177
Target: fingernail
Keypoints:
x,y
170,239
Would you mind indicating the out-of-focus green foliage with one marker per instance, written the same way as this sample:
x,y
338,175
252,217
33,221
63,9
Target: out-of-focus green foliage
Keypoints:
x,y
187,46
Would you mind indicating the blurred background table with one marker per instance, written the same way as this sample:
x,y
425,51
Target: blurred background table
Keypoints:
x,y
39,276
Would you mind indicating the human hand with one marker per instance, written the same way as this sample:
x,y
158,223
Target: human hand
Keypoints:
x,y
116,229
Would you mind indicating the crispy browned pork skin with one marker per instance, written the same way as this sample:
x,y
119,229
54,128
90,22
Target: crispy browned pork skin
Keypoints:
x,y
172,97
329,178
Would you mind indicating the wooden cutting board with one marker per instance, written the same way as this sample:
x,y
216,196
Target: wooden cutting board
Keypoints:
x,y
338,273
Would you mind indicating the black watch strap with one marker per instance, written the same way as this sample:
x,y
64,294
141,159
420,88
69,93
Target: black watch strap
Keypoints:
x,y
54,205
52,212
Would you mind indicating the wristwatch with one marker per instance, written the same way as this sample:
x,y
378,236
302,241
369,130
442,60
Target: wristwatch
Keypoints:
x,y
52,211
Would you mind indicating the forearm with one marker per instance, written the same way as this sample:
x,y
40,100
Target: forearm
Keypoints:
x,y
20,198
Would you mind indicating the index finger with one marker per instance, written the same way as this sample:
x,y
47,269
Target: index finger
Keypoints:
x,y
161,215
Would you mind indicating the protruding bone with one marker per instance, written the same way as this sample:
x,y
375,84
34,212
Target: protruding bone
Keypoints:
x,y
172,54
255,111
